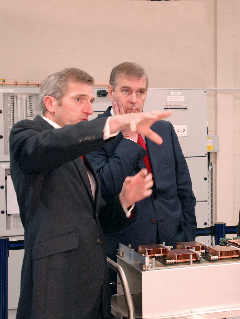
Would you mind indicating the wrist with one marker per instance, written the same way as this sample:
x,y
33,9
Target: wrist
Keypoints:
x,y
124,202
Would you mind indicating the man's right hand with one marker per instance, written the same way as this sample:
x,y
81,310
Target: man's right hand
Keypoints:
x,y
138,123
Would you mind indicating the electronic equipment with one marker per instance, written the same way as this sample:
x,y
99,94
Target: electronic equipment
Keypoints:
x,y
206,285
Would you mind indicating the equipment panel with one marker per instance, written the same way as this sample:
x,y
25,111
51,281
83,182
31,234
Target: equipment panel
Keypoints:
x,y
10,223
189,116
15,104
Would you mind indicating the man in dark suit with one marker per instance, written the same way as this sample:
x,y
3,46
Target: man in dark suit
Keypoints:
x,y
168,215
64,273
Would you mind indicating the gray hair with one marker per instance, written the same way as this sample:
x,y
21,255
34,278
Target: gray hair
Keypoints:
x,y
128,70
56,84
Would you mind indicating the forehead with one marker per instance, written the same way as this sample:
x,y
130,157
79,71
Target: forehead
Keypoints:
x,y
79,88
131,82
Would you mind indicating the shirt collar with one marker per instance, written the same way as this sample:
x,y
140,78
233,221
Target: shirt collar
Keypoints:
x,y
111,111
55,125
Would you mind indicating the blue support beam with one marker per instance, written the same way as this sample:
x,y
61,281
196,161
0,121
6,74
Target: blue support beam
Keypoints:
x,y
4,278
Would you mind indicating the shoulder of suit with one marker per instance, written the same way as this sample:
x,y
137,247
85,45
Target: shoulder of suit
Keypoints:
x,y
161,125
30,124
106,113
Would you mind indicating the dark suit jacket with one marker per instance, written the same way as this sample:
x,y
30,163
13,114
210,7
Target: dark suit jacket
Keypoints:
x,y
168,215
64,269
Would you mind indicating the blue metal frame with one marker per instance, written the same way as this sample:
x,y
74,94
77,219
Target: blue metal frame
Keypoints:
x,y
219,230
4,278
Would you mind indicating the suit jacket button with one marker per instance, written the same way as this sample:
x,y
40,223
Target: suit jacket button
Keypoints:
x,y
99,241
153,221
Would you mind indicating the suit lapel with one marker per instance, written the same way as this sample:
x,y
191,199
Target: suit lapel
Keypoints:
x,y
83,175
153,154
98,197
91,169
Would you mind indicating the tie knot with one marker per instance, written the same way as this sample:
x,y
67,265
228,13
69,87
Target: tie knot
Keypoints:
x,y
146,159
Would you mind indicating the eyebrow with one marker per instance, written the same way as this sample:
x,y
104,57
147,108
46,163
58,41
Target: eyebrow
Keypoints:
x,y
128,87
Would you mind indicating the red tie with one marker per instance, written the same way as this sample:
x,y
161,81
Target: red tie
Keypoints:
x,y
146,160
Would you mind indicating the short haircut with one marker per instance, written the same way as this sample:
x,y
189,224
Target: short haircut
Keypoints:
x,y
56,84
128,70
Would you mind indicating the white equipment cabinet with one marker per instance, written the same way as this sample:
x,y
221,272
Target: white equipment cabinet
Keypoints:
x,y
16,103
189,118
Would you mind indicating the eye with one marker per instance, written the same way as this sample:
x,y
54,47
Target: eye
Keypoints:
x,y
141,92
78,99
126,92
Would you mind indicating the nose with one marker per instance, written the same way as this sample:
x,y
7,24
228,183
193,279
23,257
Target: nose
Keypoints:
x,y
133,98
89,108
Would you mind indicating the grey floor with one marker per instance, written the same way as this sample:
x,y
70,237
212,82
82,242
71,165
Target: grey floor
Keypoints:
x,y
234,314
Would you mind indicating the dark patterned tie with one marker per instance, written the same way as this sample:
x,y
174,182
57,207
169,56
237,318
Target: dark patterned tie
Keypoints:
x,y
146,159
87,174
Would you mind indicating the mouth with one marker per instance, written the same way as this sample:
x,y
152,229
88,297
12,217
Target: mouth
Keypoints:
x,y
135,110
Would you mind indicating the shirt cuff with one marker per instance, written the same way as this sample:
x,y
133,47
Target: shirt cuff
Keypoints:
x,y
128,211
106,130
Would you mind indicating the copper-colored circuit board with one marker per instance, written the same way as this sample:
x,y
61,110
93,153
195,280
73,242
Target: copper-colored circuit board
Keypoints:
x,y
191,252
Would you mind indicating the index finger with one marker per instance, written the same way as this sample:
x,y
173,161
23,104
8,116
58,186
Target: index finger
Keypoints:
x,y
161,114
153,136
141,174
115,108
121,108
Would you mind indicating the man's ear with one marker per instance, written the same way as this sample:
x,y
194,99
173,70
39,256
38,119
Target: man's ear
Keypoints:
x,y
110,91
49,103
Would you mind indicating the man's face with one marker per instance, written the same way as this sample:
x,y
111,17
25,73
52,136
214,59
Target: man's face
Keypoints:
x,y
131,92
76,104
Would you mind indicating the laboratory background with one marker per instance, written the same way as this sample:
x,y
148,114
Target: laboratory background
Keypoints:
x,y
187,47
